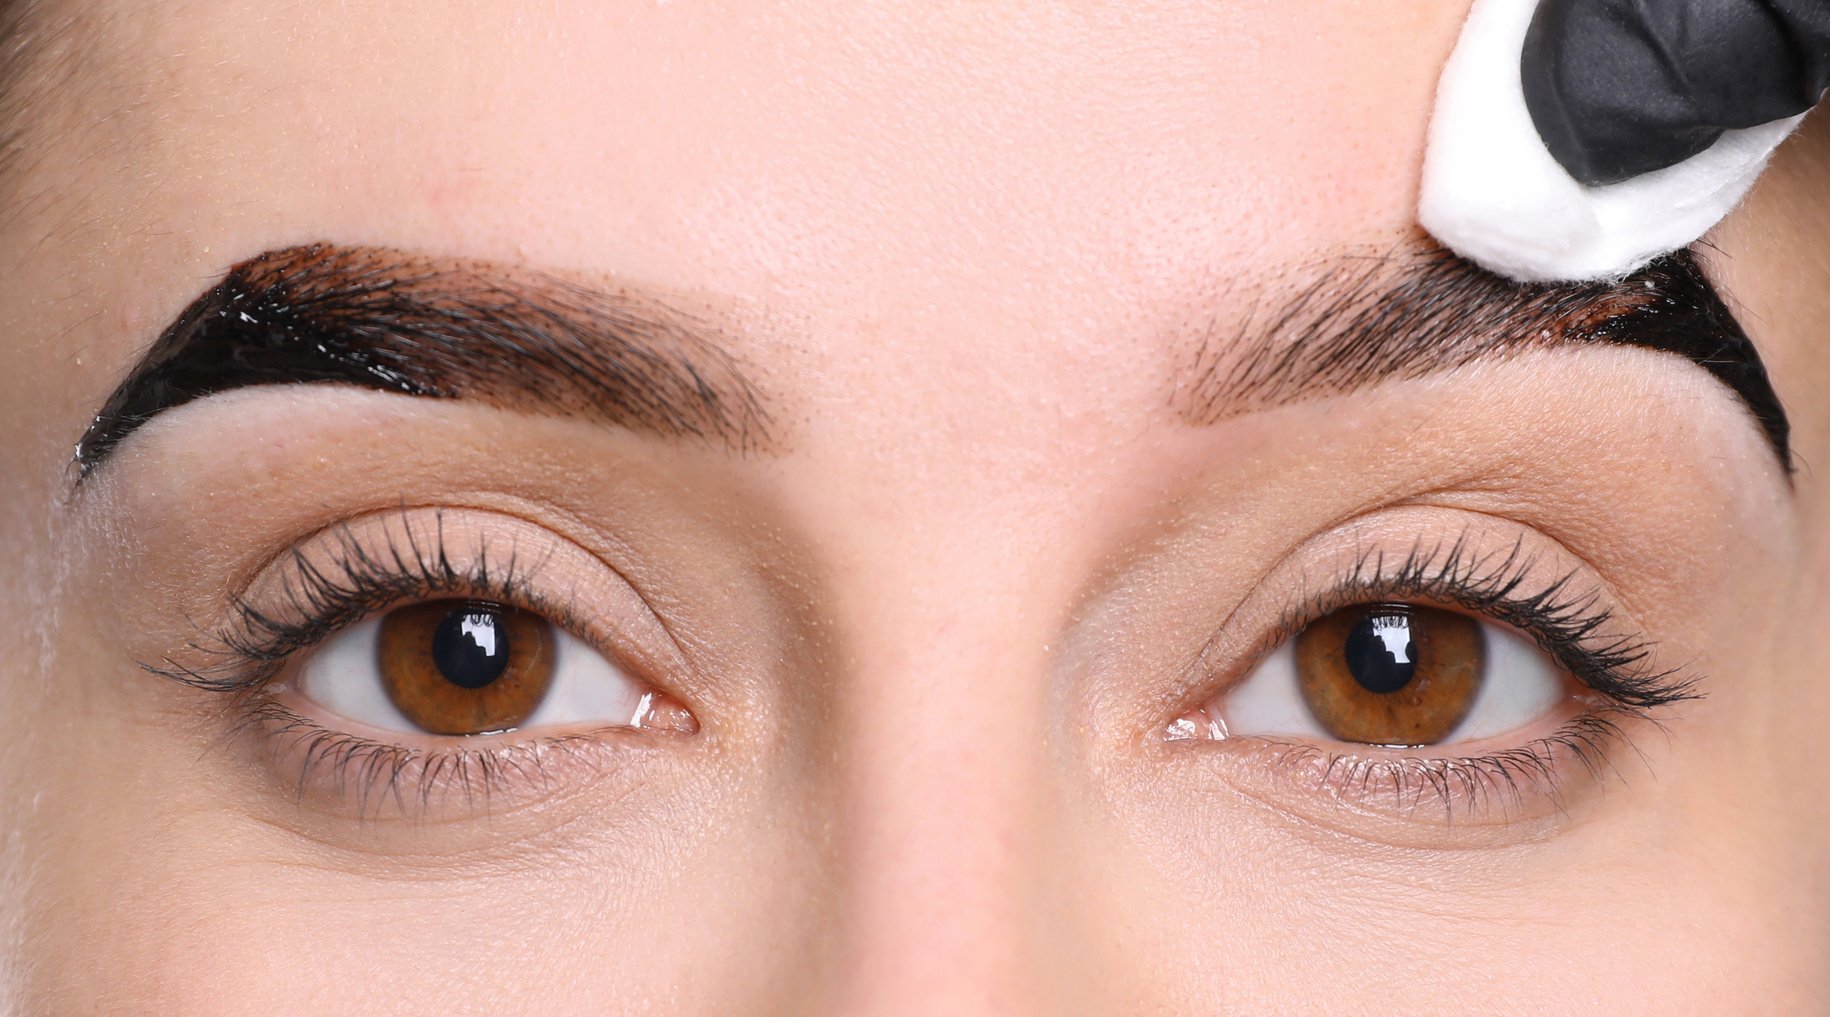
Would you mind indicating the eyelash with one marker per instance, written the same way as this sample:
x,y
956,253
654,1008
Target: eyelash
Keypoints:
x,y
1566,623
247,655
256,644
318,600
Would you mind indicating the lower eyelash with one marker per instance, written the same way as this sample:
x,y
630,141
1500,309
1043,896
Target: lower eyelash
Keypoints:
x,y
375,776
1572,626
1491,783
318,598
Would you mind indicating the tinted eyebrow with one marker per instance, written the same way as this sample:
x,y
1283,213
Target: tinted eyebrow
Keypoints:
x,y
1363,320
444,329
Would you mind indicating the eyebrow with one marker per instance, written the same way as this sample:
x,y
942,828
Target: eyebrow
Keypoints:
x,y
1362,320
445,329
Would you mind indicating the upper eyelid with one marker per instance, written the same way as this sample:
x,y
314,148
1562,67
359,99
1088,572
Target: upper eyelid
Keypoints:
x,y
1231,652
1612,661
253,637
229,648
1206,669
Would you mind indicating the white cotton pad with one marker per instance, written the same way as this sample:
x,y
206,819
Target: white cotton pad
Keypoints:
x,y
1493,193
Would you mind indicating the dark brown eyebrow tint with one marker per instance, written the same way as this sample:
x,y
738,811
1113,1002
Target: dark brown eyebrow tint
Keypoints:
x,y
405,323
397,322
1415,311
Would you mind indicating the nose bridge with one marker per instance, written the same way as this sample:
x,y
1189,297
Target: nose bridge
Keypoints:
x,y
943,779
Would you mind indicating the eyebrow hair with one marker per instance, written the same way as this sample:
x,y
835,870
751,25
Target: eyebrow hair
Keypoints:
x,y
443,329
1418,310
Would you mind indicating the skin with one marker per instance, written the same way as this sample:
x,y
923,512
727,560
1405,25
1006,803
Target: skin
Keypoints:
x,y
931,641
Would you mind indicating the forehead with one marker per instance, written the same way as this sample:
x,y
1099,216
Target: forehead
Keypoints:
x,y
915,202
855,150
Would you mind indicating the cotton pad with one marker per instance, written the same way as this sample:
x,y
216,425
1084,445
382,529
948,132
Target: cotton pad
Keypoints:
x,y
1493,193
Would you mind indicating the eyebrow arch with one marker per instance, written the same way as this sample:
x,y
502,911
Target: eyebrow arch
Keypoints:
x,y
1366,319
444,329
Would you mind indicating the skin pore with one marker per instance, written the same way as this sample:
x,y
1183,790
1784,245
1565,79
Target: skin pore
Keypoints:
x,y
956,558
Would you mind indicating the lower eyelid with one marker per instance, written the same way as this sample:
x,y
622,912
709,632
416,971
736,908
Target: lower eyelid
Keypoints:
x,y
1529,788
371,775
1524,759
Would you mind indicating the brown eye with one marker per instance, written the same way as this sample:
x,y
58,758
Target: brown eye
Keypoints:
x,y
461,667
1390,674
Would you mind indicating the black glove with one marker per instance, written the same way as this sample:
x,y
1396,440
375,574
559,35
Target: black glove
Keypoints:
x,y
1618,88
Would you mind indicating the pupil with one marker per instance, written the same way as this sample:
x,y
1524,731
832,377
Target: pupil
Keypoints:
x,y
470,647
1380,653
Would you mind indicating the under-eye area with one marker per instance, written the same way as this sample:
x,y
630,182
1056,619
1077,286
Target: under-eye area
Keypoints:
x,y
1473,676
431,662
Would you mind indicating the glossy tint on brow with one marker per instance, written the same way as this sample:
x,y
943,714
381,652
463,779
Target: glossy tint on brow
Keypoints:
x,y
1364,320
419,326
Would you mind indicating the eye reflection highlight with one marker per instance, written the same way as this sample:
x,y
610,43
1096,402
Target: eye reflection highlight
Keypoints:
x,y
459,668
464,668
1381,653
1390,674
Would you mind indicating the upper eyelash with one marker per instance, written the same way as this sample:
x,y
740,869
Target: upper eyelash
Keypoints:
x,y
1563,621
323,594
320,599
1567,622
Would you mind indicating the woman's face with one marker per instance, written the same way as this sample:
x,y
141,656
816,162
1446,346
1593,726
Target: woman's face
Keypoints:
x,y
825,508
